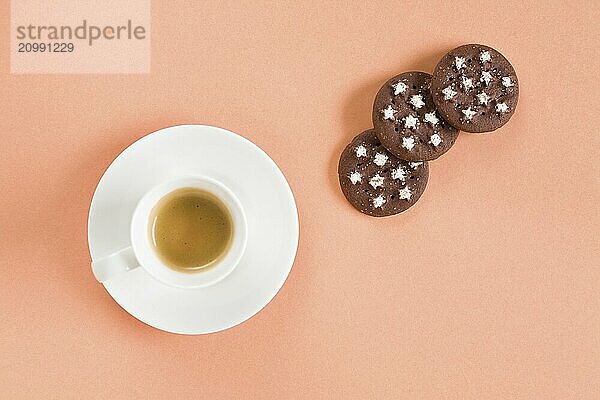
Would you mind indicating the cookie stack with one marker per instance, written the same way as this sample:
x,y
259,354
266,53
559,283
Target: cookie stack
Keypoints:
x,y
417,118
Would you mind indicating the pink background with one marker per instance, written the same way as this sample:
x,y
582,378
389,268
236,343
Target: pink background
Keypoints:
x,y
489,288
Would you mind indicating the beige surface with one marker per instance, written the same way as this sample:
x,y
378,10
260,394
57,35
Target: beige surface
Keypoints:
x,y
489,288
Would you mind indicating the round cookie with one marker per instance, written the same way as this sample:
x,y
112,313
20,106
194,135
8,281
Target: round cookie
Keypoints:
x,y
406,121
375,181
475,88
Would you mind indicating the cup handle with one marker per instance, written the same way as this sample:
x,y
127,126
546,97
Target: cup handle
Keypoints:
x,y
115,264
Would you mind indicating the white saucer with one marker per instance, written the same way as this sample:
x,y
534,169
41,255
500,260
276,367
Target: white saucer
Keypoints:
x,y
261,188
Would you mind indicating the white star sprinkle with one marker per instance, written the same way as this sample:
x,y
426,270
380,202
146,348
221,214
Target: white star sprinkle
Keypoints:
x,y
485,56
399,173
405,193
448,93
388,113
378,201
469,114
483,98
361,151
431,118
435,140
459,62
417,101
486,77
506,82
411,122
415,165
400,87
376,181
408,142
467,82
501,107
355,177
380,159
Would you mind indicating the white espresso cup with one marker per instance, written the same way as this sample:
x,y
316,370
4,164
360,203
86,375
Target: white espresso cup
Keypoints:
x,y
141,253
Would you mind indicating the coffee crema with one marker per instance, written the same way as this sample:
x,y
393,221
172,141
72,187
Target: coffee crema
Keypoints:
x,y
191,229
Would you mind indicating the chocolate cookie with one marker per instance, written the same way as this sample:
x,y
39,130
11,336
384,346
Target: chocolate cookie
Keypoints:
x,y
406,121
475,88
375,181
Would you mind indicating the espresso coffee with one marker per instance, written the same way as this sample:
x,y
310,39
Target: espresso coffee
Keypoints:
x,y
191,229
